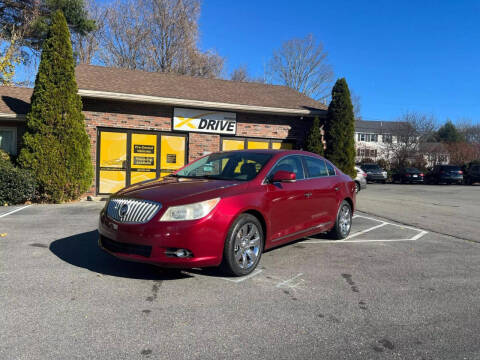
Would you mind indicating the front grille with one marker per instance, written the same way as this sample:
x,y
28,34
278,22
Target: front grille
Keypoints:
x,y
124,248
133,211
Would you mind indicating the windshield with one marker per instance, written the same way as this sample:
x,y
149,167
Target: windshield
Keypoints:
x,y
411,170
238,165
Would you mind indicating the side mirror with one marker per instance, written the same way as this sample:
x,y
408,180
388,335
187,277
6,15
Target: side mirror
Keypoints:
x,y
284,176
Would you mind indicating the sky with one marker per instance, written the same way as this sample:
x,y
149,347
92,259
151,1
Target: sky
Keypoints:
x,y
398,56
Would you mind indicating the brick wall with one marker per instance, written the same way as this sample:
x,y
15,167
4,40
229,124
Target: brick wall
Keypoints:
x,y
129,115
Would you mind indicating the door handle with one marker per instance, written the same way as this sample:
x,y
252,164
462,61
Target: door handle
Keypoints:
x,y
307,195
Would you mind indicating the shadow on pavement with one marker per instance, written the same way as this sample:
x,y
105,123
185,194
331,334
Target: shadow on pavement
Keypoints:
x,y
82,250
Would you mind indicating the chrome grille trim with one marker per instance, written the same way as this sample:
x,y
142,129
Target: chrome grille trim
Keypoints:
x,y
137,211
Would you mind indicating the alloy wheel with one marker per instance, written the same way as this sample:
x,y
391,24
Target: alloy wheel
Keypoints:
x,y
247,246
345,219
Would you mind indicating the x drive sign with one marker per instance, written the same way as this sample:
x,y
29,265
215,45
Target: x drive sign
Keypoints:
x,y
204,121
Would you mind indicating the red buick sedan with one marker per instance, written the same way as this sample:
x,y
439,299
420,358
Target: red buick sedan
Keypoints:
x,y
226,208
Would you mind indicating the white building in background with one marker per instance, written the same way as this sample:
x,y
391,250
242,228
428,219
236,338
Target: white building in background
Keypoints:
x,y
373,138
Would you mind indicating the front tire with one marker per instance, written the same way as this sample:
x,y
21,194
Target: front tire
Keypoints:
x,y
343,222
357,187
243,246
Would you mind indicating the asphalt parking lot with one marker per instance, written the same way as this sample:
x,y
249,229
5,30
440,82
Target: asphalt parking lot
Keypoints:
x,y
391,290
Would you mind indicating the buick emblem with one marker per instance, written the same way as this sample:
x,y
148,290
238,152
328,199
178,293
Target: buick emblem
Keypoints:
x,y
123,210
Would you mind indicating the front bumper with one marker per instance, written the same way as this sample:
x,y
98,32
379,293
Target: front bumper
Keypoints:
x,y
150,242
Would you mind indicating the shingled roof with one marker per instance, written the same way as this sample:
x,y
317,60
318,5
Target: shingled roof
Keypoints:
x,y
378,127
177,90
99,81
14,100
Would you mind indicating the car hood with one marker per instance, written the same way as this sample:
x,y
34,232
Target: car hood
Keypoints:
x,y
172,190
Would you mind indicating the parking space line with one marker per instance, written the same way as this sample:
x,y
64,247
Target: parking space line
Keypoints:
x,y
14,211
255,273
365,231
352,241
420,234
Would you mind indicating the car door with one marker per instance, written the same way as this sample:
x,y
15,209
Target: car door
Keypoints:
x,y
286,201
324,188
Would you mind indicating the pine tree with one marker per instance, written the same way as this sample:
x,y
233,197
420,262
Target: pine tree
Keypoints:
x,y
448,133
340,129
314,142
56,145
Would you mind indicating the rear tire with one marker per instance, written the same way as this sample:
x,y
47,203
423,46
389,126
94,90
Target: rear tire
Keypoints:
x,y
243,246
343,222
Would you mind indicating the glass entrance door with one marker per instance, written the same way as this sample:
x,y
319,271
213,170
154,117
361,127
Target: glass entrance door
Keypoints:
x,y
127,157
173,154
143,157
113,162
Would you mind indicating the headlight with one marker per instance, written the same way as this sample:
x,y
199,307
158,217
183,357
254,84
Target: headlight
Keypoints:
x,y
191,211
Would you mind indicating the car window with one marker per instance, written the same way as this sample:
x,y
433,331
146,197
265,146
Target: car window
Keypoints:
x,y
330,169
451,168
370,167
235,165
412,170
291,164
315,167
475,168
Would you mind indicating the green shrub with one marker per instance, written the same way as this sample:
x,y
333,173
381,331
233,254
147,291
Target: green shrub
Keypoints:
x,y
314,141
16,185
340,129
56,146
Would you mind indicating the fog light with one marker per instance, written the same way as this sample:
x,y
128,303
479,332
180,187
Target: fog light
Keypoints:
x,y
180,253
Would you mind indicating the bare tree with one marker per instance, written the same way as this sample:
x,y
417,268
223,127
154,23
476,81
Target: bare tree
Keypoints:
x,y
469,130
124,39
407,135
157,35
240,74
357,106
302,65
85,47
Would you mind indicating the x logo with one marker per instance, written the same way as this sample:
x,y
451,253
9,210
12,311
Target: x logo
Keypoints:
x,y
186,121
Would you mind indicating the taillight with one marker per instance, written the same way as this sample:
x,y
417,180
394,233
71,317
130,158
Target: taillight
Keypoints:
x,y
408,175
460,172
421,174
364,174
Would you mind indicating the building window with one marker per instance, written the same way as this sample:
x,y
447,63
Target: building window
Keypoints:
x,y
367,153
387,138
367,137
8,140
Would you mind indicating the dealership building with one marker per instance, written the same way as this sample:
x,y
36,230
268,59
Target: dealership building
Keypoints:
x,y
146,125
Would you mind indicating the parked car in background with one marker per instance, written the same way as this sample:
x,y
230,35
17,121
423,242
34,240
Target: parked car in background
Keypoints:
x,y
472,174
408,175
374,173
226,208
360,180
445,174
